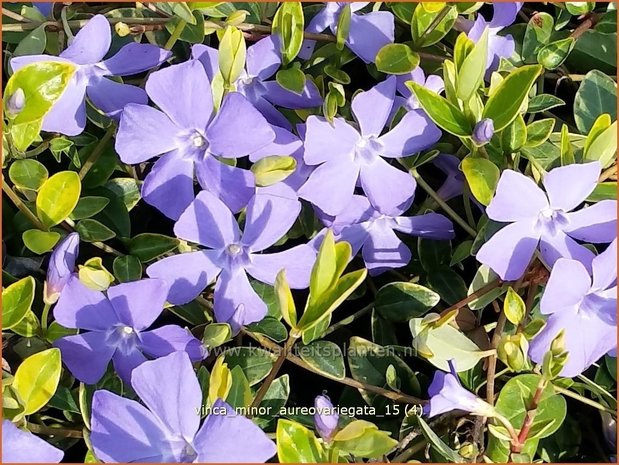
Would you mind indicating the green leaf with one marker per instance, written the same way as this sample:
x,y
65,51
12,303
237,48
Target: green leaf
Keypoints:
x,y
29,326
24,134
579,8
471,73
285,300
544,102
448,284
288,25
273,169
553,55
514,307
40,242
396,59
343,27
148,246
482,177
567,151
422,19
57,197
514,136
602,144
504,103
127,268
220,381
297,444
36,379
596,95
88,206
93,231
16,301
28,174
363,439
42,84
538,32
94,275
325,357
126,189
292,79
256,363
539,131
33,44
240,393
324,271
232,51
445,114
603,191
484,276
217,334
271,327
402,301
437,443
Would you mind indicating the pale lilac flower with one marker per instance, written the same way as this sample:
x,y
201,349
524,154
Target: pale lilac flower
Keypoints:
x,y
406,98
61,267
447,394
498,46
231,254
346,155
165,427
23,447
373,231
325,418
189,134
584,308
86,52
256,81
483,132
114,328
546,218
453,186
368,32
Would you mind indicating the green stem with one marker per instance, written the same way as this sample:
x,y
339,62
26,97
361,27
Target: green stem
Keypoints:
x,y
97,152
433,25
349,319
176,33
467,206
446,208
45,318
22,206
508,426
584,400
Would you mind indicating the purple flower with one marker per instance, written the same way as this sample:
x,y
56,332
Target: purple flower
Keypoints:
x,y
453,186
406,98
45,8
346,155
232,254
546,218
498,46
368,32
23,447
483,132
61,267
373,231
584,308
325,418
189,135
86,51
167,427
447,394
263,60
115,328
15,103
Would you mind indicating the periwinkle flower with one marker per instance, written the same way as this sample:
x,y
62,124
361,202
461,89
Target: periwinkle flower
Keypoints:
x,y
86,52
46,8
373,231
231,254
15,103
368,32
165,427
546,218
114,328
584,307
325,418
453,186
447,394
23,447
346,155
188,134
483,132
61,267
498,46
406,98
256,83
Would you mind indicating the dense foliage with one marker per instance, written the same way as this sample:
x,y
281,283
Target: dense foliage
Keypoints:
x,y
309,232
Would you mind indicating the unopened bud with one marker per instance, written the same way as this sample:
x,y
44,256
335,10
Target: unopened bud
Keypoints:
x,y
512,351
15,103
483,132
122,29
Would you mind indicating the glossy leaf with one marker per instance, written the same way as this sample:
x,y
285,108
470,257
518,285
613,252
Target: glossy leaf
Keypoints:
x,y
57,197
36,379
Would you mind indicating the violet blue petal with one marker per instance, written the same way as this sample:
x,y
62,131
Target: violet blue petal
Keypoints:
x,y
131,306
169,339
236,302
372,107
87,355
46,8
597,223
369,33
386,186
581,180
415,132
554,246
517,198
454,183
68,115
504,14
271,114
125,361
187,274
569,282
135,58
23,447
483,131
61,266
263,58
308,98
112,97
285,143
326,141
326,417
384,250
429,226
447,394
91,43
297,262
355,234
208,56
605,268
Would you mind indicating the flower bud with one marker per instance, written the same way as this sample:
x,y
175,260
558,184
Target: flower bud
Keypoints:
x,y
512,351
325,418
483,132
15,103
122,29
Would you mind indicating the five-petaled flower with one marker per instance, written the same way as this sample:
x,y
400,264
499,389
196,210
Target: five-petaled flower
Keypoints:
x,y
166,429
232,254
61,267
115,328
546,219
189,134
346,155
584,308
326,417
86,51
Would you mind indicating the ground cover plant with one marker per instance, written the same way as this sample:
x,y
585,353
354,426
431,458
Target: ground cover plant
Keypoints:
x,y
309,232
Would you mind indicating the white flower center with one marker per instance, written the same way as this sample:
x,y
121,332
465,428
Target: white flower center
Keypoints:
x,y
234,249
127,330
547,213
198,141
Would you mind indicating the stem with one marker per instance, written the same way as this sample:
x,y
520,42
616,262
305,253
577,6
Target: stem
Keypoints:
x,y
491,372
584,400
96,153
608,173
51,431
45,318
529,417
508,426
22,206
273,373
349,319
591,19
475,295
15,16
408,453
467,206
432,193
176,33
